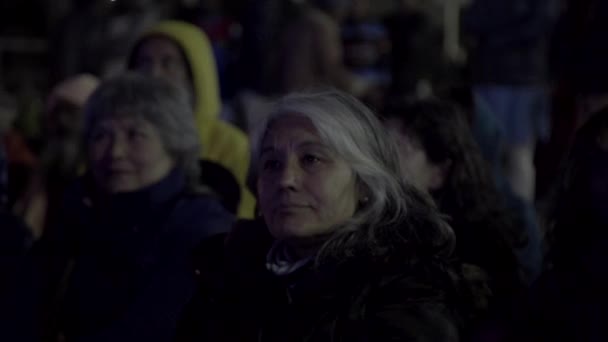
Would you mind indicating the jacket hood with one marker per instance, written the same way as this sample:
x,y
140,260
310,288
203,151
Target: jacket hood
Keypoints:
x,y
199,55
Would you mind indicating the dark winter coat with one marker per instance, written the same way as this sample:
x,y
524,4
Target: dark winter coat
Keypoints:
x,y
357,300
120,270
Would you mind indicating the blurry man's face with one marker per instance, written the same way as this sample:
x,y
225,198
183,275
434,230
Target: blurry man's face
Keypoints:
x,y
161,57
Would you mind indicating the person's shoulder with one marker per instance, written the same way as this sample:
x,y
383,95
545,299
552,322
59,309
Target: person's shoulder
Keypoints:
x,y
203,204
202,212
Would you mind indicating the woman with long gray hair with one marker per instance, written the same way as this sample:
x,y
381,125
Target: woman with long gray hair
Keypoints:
x,y
116,265
344,248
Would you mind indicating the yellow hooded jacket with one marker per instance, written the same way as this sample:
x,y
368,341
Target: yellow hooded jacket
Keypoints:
x,y
222,143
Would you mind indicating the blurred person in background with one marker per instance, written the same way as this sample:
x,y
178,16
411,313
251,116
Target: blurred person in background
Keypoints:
x,y
116,264
509,63
61,157
180,53
366,44
415,41
578,61
308,51
224,32
14,235
344,250
96,36
18,158
570,302
439,155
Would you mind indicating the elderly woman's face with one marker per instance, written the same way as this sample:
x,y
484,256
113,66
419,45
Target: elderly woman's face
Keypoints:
x,y
127,154
304,188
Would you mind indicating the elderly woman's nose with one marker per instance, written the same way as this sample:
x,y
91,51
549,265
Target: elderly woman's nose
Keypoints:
x,y
290,174
118,147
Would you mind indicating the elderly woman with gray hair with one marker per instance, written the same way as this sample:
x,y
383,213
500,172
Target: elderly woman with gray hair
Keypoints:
x,y
117,265
344,248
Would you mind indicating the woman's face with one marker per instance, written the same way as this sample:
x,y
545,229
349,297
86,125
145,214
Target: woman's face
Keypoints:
x,y
304,188
161,57
127,154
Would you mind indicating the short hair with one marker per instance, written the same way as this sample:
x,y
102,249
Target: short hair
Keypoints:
x,y
156,101
356,135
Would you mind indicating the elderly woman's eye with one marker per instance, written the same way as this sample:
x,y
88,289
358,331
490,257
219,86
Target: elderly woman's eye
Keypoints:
x,y
271,164
137,134
99,135
311,159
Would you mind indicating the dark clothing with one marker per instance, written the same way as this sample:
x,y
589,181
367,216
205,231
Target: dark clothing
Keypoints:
x,y
358,300
15,237
511,40
15,240
579,52
414,46
223,183
569,303
3,178
121,265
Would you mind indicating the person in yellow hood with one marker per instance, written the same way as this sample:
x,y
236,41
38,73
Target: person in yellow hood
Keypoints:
x,y
181,53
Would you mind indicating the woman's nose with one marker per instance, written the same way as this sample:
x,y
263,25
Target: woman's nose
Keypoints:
x,y
290,175
118,148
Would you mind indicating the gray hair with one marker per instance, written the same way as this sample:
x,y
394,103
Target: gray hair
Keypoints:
x,y
158,102
350,129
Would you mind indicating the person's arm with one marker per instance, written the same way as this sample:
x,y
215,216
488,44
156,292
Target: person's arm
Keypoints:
x,y
452,46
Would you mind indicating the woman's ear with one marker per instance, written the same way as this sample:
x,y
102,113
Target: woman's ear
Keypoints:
x,y
363,194
439,174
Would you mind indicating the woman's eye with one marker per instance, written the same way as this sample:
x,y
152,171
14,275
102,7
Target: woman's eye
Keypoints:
x,y
136,135
271,164
99,136
310,159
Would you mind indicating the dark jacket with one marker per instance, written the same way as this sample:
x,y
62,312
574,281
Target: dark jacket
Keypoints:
x,y
15,239
358,300
121,270
511,40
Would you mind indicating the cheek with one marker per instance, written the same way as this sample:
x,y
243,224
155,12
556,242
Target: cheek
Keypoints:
x,y
264,191
147,153
96,151
335,196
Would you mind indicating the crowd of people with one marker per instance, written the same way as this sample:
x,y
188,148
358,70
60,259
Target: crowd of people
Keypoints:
x,y
337,177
